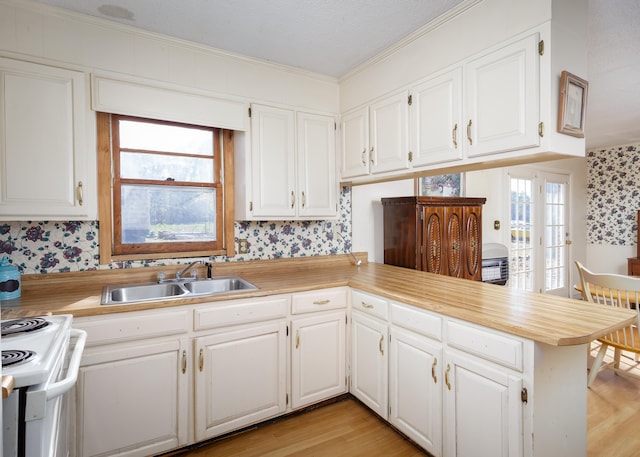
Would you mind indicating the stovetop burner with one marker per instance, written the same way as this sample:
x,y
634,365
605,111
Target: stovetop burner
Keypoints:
x,y
15,356
25,325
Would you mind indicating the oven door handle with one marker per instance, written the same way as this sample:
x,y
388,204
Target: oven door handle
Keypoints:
x,y
62,386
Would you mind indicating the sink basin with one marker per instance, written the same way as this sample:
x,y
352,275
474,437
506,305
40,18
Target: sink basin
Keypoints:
x,y
136,293
218,285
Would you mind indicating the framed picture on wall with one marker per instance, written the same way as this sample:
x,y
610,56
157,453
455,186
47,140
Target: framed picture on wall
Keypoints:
x,y
446,185
572,105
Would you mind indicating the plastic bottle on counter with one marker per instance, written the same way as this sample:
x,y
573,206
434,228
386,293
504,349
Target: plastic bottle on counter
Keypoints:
x,y
9,280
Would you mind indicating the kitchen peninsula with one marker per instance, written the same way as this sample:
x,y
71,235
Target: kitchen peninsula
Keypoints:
x,y
530,346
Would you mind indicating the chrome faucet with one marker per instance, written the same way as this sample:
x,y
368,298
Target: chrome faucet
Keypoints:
x,y
187,268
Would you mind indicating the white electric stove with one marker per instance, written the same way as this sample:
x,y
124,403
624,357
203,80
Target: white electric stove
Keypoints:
x,y
42,354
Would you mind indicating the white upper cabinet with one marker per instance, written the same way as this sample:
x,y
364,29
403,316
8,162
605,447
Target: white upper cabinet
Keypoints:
x,y
436,116
44,154
273,166
316,165
502,99
486,106
375,138
291,171
389,133
355,143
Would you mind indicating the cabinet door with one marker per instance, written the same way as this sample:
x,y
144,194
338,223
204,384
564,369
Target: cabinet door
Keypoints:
x,y
473,242
132,399
389,149
502,101
317,358
454,244
317,190
433,259
43,152
436,116
240,378
482,408
355,143
415,388
369,366
273,163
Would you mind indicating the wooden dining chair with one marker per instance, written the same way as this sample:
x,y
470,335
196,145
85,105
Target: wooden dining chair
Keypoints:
x,y
619,291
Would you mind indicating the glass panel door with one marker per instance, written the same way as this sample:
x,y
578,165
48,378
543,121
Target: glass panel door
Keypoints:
x,y
556,242
521,252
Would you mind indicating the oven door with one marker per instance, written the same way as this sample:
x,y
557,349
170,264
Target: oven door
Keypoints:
x,y
47,413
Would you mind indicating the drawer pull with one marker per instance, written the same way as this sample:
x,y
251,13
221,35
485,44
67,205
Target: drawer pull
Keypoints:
x,y
293,199
366,305
364,157
469,133
433,370
201,359
184,362
321,302
380,344
446,376
297,339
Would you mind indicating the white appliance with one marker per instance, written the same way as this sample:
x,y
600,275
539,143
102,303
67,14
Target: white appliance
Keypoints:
x,y
495,263
42,354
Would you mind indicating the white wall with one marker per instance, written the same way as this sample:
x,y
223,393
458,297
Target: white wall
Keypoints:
x,y
37,32
368,232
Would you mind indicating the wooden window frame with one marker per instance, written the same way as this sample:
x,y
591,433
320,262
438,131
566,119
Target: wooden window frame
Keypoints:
x,y
107,216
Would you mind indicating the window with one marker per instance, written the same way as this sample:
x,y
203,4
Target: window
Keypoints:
x,y
165,195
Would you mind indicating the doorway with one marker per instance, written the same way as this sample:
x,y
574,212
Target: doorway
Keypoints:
x,y
539,227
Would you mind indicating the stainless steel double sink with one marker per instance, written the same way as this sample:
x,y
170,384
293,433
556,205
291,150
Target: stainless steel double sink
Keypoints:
x,y
185,288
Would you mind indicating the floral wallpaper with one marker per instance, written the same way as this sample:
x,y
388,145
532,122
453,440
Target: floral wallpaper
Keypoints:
x,y
613,195
48,247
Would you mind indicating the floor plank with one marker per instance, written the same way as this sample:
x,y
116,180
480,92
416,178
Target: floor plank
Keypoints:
x,y
345,428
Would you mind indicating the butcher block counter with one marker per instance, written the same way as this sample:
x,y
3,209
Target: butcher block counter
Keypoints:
x,y
542,318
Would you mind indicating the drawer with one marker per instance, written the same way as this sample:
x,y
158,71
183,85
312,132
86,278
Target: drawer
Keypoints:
x,y
370,304
319,300
135,326
498,348
235,312
417,320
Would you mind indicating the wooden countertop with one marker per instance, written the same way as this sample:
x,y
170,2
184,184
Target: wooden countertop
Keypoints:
x,y
543,318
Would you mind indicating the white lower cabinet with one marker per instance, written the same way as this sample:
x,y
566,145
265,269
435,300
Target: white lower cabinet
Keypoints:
x,y
415,388
132,394
318,355
482,408
369,362
240,378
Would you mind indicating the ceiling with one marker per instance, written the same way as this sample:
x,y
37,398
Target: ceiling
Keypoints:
x,y
332,37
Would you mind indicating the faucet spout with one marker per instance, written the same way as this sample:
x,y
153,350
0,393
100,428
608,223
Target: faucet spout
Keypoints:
x,y
187,268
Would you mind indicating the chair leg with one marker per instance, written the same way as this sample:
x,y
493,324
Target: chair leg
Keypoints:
x,y
616,358
595,367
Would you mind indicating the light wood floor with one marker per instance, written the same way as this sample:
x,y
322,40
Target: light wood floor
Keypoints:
x,y
348,429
